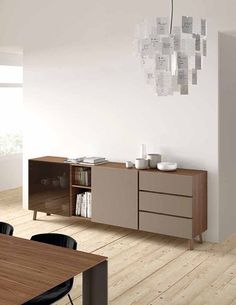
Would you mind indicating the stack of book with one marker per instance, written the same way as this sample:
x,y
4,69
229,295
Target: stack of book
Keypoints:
x,y
74,160
82,176
83,205
94,160
87,160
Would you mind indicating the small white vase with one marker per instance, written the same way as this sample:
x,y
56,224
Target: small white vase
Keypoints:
x,y
143,151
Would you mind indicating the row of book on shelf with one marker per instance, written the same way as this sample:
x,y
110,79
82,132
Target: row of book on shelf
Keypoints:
x,y
83,205
83,176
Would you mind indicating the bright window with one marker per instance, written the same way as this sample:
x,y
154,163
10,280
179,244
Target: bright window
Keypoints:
x,y
11,78
11,74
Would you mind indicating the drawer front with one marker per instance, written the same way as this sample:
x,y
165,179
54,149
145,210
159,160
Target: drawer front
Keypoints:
x,y
166,183
163,224
165,204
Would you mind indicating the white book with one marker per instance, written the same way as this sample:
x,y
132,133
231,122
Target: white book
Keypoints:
x,y
74,160
94,160
78,204
81,202
84,207
89,209
87,203
93,164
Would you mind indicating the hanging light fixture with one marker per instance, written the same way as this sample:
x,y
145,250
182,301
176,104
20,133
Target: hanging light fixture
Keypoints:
x,y
172,55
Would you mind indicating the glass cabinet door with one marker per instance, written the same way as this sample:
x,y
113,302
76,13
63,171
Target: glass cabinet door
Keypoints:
x,y
49,189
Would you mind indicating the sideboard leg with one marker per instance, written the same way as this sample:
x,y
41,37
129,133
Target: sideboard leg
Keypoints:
x,y
191,244
35,215
200,238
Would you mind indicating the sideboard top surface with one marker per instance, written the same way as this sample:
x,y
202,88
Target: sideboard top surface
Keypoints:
x,y
119,165
50,159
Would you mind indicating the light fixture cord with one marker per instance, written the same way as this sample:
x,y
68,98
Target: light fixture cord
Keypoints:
x,y
172,15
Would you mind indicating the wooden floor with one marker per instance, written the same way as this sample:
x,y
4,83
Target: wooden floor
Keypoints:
x,y
144,269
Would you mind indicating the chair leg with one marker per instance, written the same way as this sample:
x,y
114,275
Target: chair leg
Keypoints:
x,y
70,299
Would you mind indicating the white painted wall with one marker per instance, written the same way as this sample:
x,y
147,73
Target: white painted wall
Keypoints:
x,y
10,171
227,128
84,91
10,58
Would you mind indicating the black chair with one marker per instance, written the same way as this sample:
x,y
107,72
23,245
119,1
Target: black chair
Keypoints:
x,y
6,228
63,289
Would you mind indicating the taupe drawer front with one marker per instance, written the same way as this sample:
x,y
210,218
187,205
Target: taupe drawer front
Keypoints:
x,y
163,224
165,204
165,183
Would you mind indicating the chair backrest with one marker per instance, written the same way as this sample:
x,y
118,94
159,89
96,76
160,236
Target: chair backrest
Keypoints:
x,y
6,228
56,240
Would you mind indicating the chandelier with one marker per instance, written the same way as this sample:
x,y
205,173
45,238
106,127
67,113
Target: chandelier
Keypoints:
x,y
171,56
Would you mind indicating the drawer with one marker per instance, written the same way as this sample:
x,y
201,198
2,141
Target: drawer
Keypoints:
x,y
165,204
163,224
166,183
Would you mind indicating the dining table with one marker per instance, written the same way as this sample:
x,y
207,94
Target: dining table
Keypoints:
x,y
29,268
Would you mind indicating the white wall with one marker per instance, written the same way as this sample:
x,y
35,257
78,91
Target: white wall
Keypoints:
x,y
85,93
10,58
10,171
227,128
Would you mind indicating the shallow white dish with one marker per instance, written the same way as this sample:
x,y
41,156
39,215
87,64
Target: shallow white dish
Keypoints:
x,y
167,166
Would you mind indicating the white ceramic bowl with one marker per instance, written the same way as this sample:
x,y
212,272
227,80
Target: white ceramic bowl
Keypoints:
x,y
129,164
167,166
141,163
153,159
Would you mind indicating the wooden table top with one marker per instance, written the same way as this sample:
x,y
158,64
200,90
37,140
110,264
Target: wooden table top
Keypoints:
x,y
29,268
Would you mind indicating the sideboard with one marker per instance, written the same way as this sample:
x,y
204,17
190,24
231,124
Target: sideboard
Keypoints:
x,y
170,203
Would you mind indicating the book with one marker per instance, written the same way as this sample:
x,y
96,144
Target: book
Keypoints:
x,y
82,176
78,204
74,160
98,163
89,205
94,160
84,207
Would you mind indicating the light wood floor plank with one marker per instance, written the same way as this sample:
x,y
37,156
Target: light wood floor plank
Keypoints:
x,y
192,285
171,269
233,302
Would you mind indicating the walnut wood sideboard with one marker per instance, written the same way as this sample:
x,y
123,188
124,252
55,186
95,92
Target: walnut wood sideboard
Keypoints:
x,y
169,203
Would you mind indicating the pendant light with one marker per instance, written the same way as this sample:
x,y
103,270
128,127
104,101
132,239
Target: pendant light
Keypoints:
x,y
171,56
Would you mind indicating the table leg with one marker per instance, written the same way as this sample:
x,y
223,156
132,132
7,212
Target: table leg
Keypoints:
x,y
95,285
